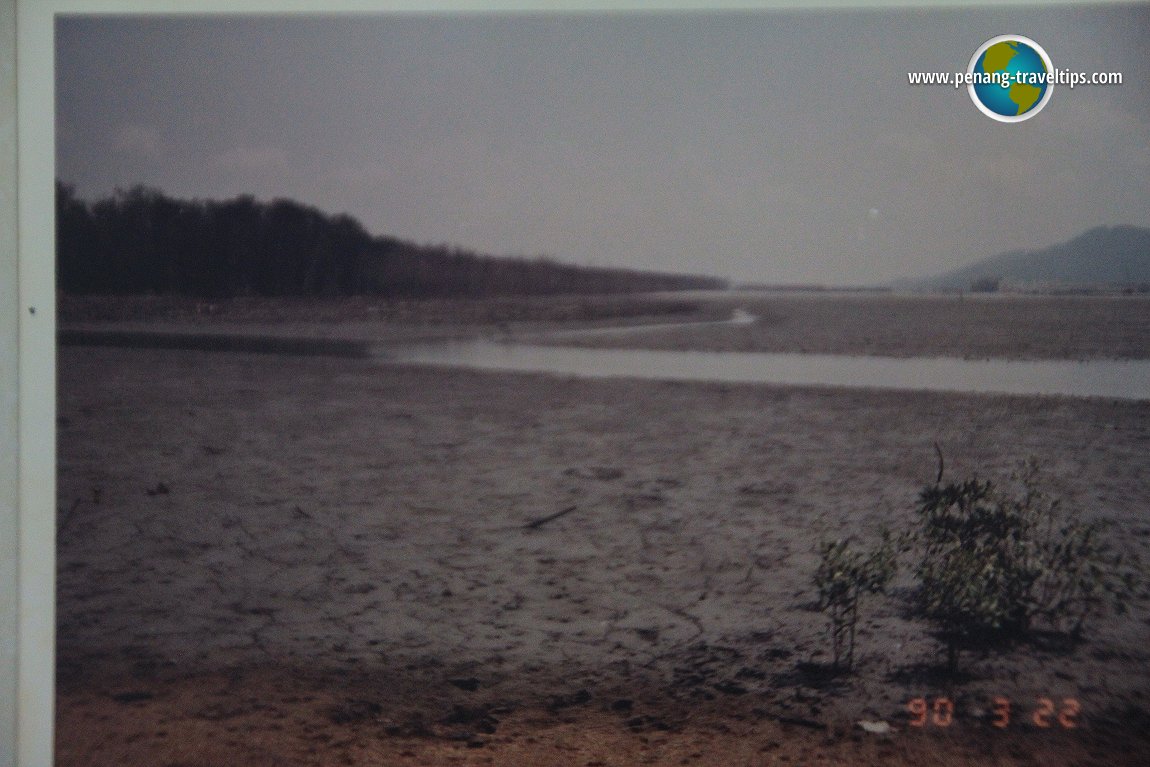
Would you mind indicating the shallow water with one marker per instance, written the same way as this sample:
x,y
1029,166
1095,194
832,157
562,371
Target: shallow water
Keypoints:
x,y
738,317
1116,379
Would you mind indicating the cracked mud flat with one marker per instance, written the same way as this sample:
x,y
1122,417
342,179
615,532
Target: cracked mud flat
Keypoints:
x,y
252,544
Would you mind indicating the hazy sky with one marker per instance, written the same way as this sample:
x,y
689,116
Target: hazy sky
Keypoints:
x,y
769,146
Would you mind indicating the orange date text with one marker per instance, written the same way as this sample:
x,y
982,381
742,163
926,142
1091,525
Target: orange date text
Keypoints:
x,y
1044,713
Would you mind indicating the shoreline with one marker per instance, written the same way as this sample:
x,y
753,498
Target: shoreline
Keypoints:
x,y
881,324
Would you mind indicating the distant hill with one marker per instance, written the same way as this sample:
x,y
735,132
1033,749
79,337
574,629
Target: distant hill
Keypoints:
x,y
1105,257
141,241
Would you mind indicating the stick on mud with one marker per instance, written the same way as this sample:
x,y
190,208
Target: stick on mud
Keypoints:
x,y
535,524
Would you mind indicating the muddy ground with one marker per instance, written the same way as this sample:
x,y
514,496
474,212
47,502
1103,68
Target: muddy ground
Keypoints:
x,y
267,559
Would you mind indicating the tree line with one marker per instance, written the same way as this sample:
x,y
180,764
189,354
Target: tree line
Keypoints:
x,y
140,241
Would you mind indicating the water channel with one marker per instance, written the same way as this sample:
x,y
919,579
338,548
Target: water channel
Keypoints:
x,y
1115,379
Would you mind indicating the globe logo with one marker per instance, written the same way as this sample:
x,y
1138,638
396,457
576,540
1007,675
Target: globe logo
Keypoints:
x,y
1011,78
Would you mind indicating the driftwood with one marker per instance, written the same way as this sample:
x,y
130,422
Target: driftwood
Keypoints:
x,y
535,524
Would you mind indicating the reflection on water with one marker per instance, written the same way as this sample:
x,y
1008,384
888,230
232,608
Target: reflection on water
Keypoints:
x,y
1119,379
738,317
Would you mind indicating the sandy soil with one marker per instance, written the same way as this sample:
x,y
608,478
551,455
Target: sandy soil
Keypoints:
x,y
286,560
277,717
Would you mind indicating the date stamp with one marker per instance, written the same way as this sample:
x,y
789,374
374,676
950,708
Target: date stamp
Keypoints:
x,y
1044,713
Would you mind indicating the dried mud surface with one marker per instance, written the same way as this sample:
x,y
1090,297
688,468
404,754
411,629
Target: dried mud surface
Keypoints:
x,y
284,560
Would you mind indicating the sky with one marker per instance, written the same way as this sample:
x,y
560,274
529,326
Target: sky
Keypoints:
x,y
783,147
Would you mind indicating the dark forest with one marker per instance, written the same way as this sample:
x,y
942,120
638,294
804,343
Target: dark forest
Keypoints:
x,y
140,241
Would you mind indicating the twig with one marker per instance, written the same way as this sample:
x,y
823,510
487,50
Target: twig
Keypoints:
x,y
938,479
535,524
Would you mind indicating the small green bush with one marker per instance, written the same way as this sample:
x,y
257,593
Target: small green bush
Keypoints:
x,y
992,562
842,578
